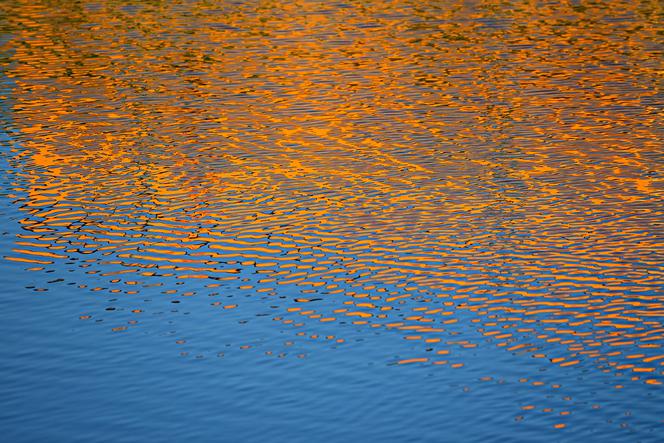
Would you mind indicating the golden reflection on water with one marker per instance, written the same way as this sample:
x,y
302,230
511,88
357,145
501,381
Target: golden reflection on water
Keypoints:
x,y
416,165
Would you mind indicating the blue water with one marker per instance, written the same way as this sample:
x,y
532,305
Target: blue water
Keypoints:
x,y
68,380
64,381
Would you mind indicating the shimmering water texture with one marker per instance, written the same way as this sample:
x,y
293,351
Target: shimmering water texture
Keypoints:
x,y
318,221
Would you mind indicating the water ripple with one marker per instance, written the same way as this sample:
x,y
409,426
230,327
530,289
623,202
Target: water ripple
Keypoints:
x,y
464,177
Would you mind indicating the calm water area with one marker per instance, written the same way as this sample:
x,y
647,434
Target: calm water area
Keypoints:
x,y
312,221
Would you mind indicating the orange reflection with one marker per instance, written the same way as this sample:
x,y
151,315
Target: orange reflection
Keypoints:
x,y
497,168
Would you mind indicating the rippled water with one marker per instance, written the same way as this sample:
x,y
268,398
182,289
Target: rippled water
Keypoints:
x,y
318,221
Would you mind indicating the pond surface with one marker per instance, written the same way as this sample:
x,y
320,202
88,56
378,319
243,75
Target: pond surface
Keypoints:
x,y
311,221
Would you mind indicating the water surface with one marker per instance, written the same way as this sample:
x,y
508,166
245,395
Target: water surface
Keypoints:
x,y
318,221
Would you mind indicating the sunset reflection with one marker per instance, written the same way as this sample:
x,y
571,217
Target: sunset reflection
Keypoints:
x,y
450,174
